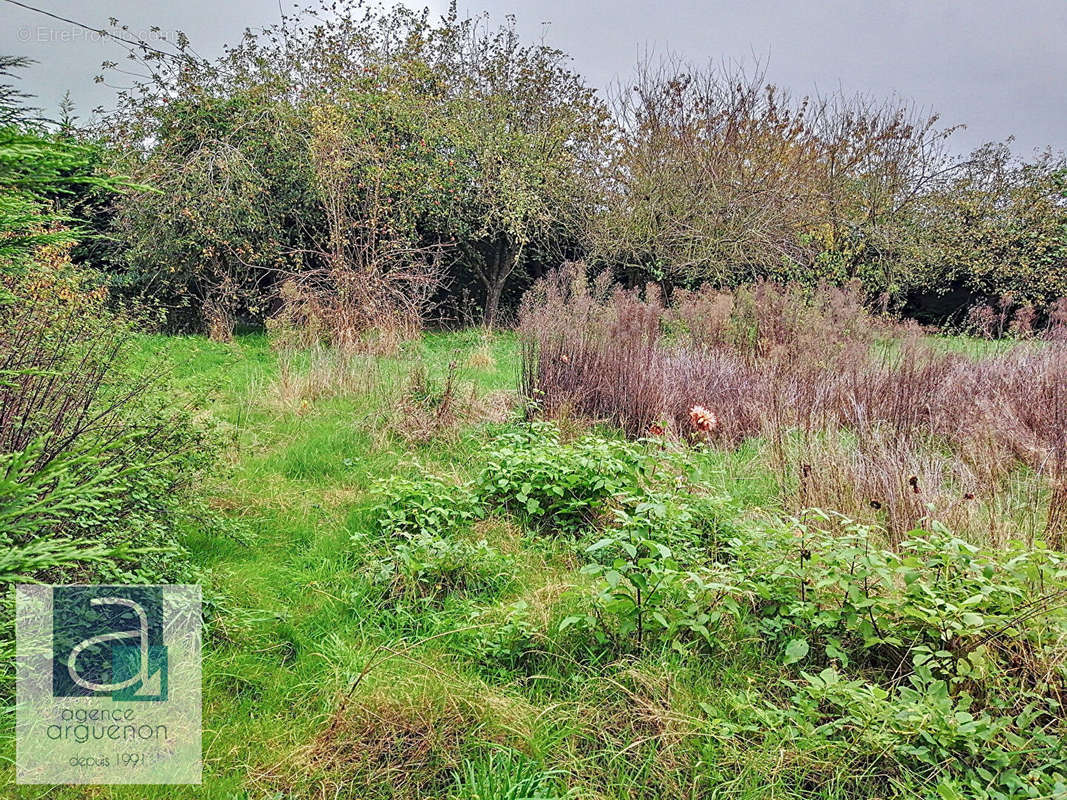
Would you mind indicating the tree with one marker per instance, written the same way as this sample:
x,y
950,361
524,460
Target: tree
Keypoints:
x,y
527,137
878,163
998,228
712,177
368,141
38,167
720,176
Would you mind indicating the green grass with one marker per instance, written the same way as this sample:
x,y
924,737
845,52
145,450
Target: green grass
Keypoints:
x,y
295,620
295,598
294,629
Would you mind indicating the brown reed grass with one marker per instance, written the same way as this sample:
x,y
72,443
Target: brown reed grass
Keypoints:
x,y
856,413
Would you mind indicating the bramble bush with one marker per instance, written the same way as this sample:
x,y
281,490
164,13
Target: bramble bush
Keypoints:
x,y
955,652
674,567
654,537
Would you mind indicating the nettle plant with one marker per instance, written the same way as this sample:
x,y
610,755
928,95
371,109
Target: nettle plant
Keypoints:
x,y
427,568
422,519
657,582
424,506
557,487
827,592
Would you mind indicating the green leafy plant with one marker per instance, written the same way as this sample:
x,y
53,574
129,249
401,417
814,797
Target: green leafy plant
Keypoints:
x,y
645,586
555,486
428,567
830,592
1001,747
425,506
508,641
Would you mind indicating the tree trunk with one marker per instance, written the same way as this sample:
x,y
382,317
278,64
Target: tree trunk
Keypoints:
x,y
492,301
505,259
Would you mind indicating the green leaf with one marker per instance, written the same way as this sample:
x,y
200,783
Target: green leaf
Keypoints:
x,y
796,650
566,622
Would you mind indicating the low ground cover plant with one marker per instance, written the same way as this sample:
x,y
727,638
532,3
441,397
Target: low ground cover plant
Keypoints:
x,y
425,567
564,488
424,506
922,731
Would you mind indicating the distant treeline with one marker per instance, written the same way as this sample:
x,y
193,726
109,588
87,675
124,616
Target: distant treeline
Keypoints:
x,y
361,168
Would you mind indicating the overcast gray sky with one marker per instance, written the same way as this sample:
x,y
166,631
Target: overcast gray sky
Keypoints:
x,y
996,65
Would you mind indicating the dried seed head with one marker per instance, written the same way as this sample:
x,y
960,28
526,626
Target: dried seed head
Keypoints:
x,y
702,419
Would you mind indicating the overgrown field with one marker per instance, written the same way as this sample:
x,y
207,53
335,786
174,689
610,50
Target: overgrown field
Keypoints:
x,y
724,522
415,592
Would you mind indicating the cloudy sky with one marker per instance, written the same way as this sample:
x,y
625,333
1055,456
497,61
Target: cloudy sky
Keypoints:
x,y
996,65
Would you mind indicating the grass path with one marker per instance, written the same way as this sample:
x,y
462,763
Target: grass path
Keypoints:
x,y
289,632
298,487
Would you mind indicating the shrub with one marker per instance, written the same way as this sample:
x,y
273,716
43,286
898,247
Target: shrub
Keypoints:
x,y
827,593
374,308
645,597
656,578
678,514
554,486
97,468
423,507
81,425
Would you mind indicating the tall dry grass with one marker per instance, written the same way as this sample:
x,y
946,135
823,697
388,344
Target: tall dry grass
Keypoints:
x,y
856,413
